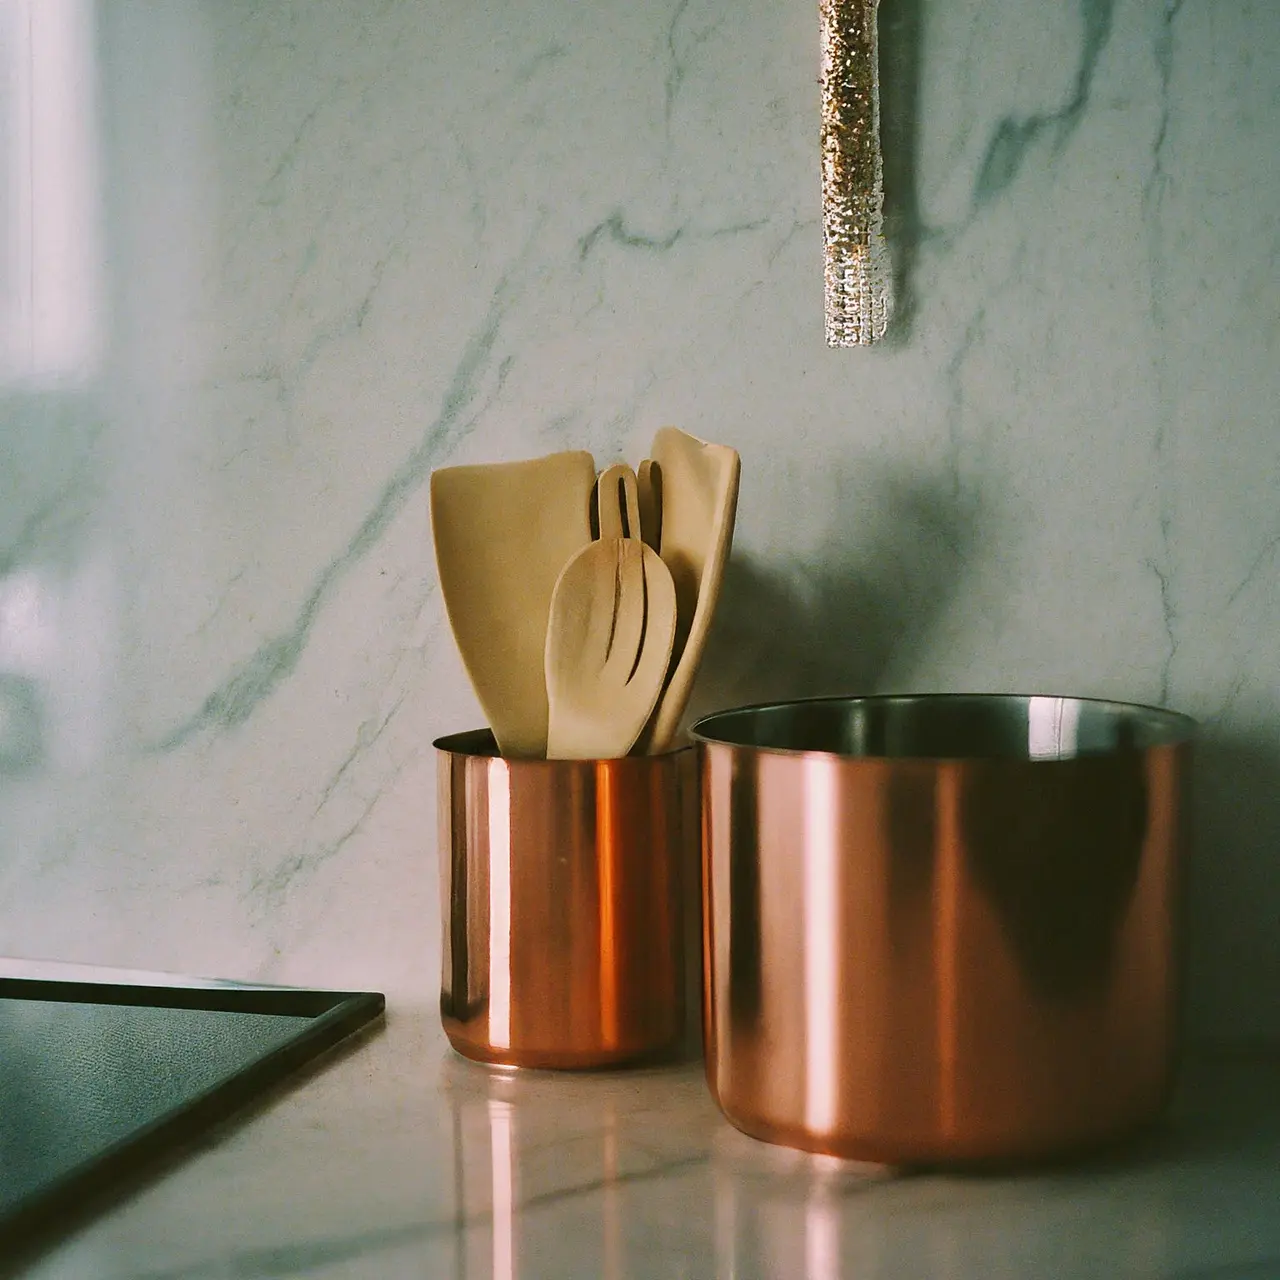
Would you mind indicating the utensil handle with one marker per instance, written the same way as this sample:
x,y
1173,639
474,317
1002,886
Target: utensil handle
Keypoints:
x,y
618,502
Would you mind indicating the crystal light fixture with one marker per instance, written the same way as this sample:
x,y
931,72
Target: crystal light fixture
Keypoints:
x,y
856,260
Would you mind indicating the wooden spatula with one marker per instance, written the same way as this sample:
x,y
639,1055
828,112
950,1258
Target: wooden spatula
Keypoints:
x,y
609,636
698,483
503,532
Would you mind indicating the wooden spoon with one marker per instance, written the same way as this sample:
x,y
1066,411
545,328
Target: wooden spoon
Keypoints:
x,y
609,636
698,484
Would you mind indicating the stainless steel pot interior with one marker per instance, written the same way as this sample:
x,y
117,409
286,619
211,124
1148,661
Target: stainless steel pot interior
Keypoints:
x,y
948,726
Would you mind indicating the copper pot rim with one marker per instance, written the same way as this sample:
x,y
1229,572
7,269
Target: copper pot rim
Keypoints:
x,y
481,744
1176,728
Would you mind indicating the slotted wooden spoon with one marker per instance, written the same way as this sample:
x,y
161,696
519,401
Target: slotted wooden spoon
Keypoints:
x,y
609,635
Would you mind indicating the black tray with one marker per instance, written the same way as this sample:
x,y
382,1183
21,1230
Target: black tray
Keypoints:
x,y
100,1079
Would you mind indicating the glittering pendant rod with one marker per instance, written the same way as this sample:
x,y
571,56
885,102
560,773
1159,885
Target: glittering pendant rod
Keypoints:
x,y
855,256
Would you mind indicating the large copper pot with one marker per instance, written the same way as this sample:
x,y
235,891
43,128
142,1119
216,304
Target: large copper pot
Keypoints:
x,y
942,928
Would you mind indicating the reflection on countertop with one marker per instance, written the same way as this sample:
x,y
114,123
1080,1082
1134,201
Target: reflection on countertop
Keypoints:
x,y
401,1159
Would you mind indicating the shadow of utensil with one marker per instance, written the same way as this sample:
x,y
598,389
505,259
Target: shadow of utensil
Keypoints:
x,y
832,623
852,612
901,33
1056,850
1233,883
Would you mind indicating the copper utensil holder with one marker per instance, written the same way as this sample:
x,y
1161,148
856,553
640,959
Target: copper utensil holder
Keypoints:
x,y
942,929
568,888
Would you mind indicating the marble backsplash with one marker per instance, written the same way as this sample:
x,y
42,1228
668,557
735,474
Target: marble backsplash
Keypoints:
x,y
343,244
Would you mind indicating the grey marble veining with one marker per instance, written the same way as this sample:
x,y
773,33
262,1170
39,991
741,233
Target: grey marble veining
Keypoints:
x,y
345,244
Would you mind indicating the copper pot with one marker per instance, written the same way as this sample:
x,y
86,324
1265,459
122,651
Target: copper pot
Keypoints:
x,y
942,928
567,887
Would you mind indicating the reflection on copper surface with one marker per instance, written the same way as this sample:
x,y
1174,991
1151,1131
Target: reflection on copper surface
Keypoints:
x,y
523,1141
782,1212
564,886
612,1206
814,1218
726,1230
821,1238
606,843
914,959
821,958
1051,727
499,905
946,901
502,1153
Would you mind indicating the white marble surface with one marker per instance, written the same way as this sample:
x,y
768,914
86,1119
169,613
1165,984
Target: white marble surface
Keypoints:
x,y
341,244
403,1160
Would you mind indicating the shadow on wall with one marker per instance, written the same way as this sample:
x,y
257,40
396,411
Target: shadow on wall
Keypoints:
x,y
866,600
901,32
860,613
1233,889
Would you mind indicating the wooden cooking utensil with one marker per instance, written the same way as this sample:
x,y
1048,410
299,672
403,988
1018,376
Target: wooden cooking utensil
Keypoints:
x,y
617,503
699,487
649,490
609,636
503,532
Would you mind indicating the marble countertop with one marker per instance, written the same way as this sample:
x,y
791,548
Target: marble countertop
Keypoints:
x,y
399,1158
